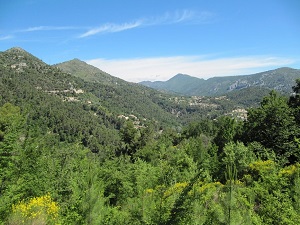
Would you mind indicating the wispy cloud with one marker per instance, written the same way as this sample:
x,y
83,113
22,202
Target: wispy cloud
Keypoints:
x,y
181,17
6,37
167,18
48,28
163,68
111,28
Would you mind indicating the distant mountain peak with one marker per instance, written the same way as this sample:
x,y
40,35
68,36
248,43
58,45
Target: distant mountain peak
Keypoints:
x,y
77,60
181,76
19,56
16,50
78,64
86,71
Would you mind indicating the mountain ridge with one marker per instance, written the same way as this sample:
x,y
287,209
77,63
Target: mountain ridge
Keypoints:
x,y
281,79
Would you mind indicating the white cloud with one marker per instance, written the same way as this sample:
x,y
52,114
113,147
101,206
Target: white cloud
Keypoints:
x,y
47,28
6,37
184,16
111,28
163,68
167,18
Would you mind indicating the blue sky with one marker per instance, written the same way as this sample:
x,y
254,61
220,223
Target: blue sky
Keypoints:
x,y
140,40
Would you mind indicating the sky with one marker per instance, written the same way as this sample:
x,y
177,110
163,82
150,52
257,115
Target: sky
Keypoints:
x,y
139,40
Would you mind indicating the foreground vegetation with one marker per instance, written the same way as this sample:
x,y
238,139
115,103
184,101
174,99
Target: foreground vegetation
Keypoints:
x,y
213,172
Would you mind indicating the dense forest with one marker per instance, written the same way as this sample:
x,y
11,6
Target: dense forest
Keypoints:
x,y
67,157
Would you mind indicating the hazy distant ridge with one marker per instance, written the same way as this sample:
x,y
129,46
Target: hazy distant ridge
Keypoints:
x,y
281,79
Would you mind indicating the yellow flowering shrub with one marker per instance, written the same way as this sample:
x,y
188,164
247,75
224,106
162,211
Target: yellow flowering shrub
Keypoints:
x,y
289,170
167,192
208,186
149,191
176,188
38,210
262,166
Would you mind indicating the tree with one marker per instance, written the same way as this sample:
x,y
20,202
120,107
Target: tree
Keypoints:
x,y
11,139
294,100
130,139
273,125
228,129
236,159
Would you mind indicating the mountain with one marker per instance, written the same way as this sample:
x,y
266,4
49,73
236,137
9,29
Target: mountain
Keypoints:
x,y
69,97
79,83
281,79
87,72
180,84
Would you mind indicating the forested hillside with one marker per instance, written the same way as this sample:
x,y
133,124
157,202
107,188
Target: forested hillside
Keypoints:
x,y
75,151
137,98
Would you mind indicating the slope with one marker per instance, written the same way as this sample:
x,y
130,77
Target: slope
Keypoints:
x,y
123,97
146,102
87,72
54,102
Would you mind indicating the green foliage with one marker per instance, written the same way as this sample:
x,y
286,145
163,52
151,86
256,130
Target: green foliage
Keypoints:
x,y
237,158
130,138
12,138
228,130
273,125
248,97
294,101
195,129
271,187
